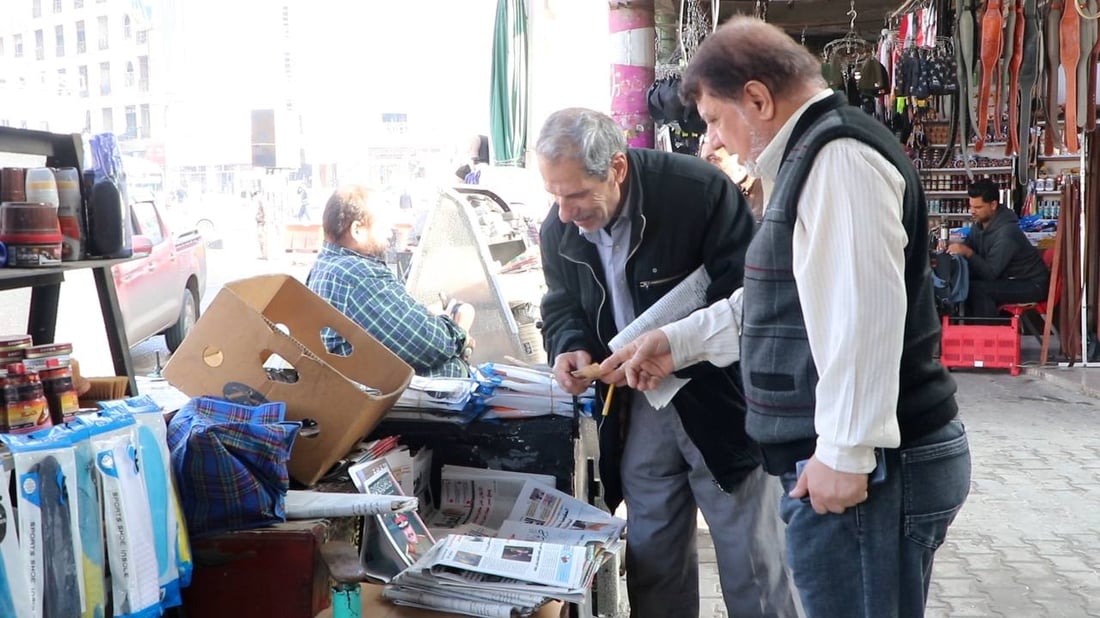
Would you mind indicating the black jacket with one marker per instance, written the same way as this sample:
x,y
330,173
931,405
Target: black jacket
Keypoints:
x,y
1001,251
688,214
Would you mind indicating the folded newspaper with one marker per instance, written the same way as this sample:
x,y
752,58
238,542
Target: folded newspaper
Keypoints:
x,y
314,504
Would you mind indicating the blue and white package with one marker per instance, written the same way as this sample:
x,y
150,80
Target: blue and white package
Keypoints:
x,y
15,598
91,520
151,438
49,531
131,556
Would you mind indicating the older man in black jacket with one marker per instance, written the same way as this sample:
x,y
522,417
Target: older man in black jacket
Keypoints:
x,y
627,226
1004,266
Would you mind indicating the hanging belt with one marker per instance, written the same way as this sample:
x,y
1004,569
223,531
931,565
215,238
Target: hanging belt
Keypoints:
x,y
1086,98
1054,60
992,42
1070,40
964,72
1029,68
1016,58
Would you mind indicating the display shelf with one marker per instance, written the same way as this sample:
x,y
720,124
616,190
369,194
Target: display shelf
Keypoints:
x,y
946,194
963,170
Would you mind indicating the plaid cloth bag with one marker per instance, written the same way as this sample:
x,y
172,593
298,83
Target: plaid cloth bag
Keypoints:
x,y
230,463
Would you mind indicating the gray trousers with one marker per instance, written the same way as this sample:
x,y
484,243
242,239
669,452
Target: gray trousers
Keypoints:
x,y
664,480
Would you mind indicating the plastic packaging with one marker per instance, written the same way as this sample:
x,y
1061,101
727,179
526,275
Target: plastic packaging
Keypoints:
x,y
70,213
49,531
15,598
154,462
130,545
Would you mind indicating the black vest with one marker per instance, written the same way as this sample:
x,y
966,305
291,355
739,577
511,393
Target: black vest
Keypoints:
x,y
777,368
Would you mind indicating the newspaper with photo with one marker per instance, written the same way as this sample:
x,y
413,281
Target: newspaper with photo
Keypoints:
x,y
391,541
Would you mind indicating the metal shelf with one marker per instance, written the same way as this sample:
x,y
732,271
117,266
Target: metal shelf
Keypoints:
x,y
946,194
1049,193
949,215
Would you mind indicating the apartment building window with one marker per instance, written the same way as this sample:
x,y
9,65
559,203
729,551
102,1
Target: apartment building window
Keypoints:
x,y
1,47
129,74
146,120
57,6
81,44
126,33
62,82
104,41
104,78
82,73
59,37
141,37
143,73
131,121
87,121
39,45
108,120
79,4
36,9
17,43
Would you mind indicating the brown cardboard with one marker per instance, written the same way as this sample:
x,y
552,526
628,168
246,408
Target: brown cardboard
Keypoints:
x,y
238,333
374,606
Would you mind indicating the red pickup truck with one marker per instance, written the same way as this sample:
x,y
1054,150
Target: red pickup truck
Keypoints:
x,y
160,290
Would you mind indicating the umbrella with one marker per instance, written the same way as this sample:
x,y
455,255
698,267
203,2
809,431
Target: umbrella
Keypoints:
x,y
508,88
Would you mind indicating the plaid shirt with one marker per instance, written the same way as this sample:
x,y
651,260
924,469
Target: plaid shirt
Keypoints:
x,y
369,294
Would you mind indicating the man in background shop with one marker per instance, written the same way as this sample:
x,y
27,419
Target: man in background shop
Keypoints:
x,y
839,329
1004,266
351,274
729,164
261,222
627,226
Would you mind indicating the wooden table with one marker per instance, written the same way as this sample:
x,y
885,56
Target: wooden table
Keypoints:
x,y
45,284
374,606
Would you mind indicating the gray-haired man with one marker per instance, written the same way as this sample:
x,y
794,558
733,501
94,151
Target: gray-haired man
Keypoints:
x,y
627,226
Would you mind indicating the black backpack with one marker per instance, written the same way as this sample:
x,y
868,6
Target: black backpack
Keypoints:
x,y
950,281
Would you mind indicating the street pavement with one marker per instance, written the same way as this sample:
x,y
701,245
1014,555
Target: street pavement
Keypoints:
x,y
1027,542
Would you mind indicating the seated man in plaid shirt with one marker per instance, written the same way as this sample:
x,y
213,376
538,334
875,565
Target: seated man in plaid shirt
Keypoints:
x,y
351,275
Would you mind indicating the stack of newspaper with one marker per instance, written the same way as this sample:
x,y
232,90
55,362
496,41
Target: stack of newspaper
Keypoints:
x,y
509,391
510,543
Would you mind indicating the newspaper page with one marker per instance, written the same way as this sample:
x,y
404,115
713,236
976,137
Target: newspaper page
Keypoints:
x,y
314,504
392,541
555,567
541,505
480,497
688,295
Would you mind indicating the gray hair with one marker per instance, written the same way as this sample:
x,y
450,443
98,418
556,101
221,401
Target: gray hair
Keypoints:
x,y
583,135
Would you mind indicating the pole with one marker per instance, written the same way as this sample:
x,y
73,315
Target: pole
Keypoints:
x,y
633,38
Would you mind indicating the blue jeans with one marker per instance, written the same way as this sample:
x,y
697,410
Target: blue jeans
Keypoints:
x,y
875,560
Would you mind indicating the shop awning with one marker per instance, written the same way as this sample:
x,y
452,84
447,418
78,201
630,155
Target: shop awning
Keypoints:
x,y
508,88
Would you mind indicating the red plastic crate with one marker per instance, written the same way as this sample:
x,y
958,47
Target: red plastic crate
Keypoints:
x,y
982,346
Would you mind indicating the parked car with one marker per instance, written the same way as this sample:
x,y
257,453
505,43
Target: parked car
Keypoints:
x,y
160,291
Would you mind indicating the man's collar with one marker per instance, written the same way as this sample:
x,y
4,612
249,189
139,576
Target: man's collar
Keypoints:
x,y
338,249
767,164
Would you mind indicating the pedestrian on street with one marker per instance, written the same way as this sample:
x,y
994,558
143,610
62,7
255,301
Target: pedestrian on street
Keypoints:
x,y
261,223
627,226
852,411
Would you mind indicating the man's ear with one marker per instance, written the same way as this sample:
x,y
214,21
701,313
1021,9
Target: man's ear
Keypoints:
x,y
759,99
619,166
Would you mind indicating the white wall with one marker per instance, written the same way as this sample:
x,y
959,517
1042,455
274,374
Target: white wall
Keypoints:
x,y
570,59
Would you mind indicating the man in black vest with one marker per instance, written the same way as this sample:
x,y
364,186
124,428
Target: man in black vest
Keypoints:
x,y
627,226
838,331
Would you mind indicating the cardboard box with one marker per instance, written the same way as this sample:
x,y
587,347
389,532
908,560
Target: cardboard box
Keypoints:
x,y
245,325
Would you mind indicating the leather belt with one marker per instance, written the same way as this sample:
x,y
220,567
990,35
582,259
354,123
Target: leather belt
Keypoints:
x,y
992,42
1054,60
1029,68
1070,40
1016,58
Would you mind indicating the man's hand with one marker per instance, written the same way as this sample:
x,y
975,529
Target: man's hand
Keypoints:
x,y
830,491
643,362
565,364
958,248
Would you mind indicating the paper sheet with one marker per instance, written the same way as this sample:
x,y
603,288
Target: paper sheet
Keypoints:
x,y
689,295
311,504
